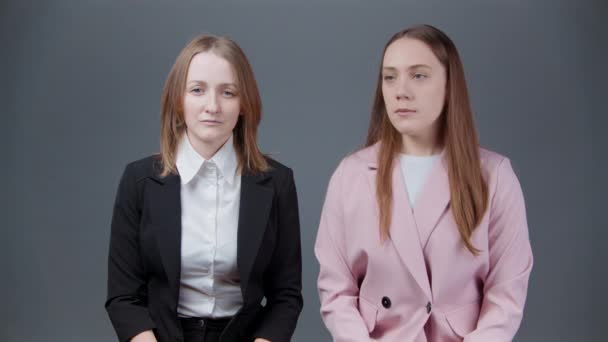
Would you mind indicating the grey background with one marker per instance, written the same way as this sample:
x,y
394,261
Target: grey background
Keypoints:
x,y
80,95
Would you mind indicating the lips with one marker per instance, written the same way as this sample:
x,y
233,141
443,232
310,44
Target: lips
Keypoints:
x,y
210,122
405,111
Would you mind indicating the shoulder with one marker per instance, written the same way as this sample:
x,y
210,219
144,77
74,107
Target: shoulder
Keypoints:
x,y
276,167
490,160
497,170
139,169
279,172
352,171
359,160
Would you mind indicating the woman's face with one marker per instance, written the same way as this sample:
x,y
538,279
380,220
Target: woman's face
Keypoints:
x,y
211,101
413,87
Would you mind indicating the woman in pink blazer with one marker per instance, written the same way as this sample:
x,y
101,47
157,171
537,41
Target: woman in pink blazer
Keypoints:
x,y
423,235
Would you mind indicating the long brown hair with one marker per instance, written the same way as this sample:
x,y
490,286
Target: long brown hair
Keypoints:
x,y
468,189
173,126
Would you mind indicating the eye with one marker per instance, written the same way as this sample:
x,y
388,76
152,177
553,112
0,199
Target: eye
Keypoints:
x,y
388,77
196,90
419,76
229,93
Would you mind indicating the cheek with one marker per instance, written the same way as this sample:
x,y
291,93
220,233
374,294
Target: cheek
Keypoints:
x,y
189,115
232,109
435,99
387,96
190,108
235,106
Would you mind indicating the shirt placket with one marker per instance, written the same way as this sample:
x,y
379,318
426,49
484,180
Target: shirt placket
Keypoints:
x,y
214,191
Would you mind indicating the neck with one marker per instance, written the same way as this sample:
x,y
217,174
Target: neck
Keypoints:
x,y
421,145
207,149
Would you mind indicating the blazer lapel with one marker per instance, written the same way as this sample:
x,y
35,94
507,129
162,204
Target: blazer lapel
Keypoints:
x,y
169,230
433,200
403,231
254,210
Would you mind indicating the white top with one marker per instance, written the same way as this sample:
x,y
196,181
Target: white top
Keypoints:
x,y
210,194
415,170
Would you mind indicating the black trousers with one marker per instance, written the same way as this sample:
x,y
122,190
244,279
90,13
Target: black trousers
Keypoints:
x,y
203,329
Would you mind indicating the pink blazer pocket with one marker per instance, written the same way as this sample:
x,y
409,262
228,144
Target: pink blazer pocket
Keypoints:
x,y
463,320
368,312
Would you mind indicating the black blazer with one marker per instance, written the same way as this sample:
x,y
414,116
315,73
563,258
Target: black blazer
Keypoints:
x,y
145,257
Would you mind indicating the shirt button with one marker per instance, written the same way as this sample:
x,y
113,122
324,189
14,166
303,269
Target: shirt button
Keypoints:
x,y
429,307
386,302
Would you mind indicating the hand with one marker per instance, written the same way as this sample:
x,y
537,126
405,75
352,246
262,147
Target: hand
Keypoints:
x,y
146,336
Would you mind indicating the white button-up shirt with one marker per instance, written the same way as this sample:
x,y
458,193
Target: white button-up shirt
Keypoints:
x,y
210,194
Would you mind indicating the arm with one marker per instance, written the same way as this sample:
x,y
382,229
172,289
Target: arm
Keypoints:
x,y
283,278
510,256
127,298
338,288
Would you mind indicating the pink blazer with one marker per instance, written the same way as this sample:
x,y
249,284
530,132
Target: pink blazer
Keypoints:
x,y
422,284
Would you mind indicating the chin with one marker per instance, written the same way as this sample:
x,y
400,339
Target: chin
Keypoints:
x,y
209,137
406,129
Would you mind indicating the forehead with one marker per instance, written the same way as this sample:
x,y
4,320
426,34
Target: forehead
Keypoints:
x,y
209,67
405,52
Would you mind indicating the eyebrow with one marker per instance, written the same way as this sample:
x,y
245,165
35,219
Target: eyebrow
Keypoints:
x,y
221,84
415,66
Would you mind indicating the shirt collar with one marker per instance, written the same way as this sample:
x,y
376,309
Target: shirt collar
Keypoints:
x,y
189,162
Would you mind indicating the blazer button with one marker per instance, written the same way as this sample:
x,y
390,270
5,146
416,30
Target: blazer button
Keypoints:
x,y
428,307
386,302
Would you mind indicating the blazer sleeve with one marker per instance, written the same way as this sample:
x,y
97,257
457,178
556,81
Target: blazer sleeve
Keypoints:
x,y
283,276
337,285
511,261
126,302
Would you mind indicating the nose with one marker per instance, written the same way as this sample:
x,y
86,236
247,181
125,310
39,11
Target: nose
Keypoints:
x,y
404,92
212,105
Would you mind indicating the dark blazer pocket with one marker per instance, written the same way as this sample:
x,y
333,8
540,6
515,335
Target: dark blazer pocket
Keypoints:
x,y
369,313
463,320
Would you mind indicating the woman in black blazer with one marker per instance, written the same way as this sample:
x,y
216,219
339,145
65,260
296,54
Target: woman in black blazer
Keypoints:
x,y
205,231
